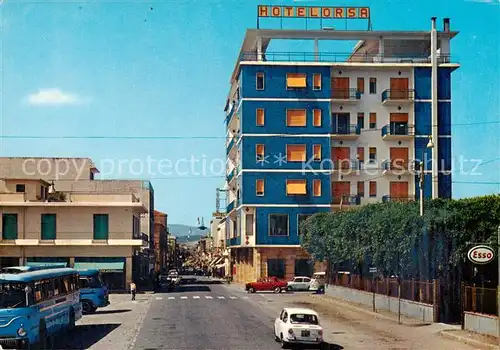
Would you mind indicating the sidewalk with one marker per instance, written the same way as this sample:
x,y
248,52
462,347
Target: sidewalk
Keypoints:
x,y
452,332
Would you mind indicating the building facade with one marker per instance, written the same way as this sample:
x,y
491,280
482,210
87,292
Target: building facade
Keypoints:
x,y
160,240
318,132
49,215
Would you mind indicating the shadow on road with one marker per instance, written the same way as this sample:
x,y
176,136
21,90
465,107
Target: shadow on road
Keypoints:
x,y
84,336
107,312
192,288
324,346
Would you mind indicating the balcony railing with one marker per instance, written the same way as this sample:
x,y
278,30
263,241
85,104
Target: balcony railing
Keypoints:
x,y
398,95
346,94
344,129
231,175
346,164
347,199
398,165
397,129
399,198
231,144
340,57
233,241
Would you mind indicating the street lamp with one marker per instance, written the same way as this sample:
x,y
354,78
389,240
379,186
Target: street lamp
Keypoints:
x,y
430,145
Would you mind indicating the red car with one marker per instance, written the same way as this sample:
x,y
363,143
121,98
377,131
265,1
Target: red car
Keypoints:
x,y
266,284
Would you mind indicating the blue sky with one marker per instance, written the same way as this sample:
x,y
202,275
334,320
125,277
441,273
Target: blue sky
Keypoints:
x,y
161,68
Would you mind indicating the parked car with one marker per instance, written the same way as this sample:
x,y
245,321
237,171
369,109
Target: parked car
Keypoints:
x,y
318,281
299,283
266,284
298,326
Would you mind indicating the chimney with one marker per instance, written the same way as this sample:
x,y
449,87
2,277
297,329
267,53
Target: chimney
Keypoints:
x,y
446,24
433,19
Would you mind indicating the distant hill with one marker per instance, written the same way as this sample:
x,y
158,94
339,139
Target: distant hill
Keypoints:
x,y
182,233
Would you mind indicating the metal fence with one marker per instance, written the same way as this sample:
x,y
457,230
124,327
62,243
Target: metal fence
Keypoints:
x,y
418,291
480,300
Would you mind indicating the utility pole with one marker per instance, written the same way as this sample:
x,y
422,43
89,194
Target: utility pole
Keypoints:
x,y
498,283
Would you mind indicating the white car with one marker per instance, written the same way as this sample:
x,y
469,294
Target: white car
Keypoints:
x,y
298,326
299,283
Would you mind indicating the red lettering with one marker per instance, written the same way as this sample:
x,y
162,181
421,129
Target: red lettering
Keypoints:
x,y
326,12
263,11
351,12
276,11
339,12
489,255
474,254
301,11
364,12
288,11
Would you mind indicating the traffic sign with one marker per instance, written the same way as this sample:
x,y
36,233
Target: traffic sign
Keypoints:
x,y
481,254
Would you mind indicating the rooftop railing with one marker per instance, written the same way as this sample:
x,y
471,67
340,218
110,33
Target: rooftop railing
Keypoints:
x,y
340,57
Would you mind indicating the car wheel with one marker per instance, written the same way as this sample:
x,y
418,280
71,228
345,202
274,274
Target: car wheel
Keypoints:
x,y
284,344
87,306
251,290
277,289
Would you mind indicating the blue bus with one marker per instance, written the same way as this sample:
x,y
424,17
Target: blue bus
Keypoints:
x,y
37,304
93,291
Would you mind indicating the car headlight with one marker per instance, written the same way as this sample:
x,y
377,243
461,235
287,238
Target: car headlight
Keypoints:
x,y
21,331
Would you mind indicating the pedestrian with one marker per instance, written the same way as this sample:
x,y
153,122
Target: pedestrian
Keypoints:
x,y
133,290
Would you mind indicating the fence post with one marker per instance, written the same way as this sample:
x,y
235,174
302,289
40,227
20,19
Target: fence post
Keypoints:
x,y
463,301
436,300
399,301
412,289
473,298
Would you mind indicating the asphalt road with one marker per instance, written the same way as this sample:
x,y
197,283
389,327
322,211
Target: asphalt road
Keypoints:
x,y
204,316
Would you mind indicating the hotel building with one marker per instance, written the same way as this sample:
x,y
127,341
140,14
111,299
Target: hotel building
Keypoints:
x,y
319,131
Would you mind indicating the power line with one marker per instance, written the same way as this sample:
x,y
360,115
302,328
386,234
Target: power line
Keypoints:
x,y
476,182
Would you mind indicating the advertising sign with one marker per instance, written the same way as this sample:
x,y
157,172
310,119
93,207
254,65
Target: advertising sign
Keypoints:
x,y
481,254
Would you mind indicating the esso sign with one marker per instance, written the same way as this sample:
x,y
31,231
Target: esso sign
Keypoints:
x,y
481,254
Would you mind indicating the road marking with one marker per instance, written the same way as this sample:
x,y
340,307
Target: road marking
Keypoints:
x,y
208,297
171,298
221,297
196,297
184,297
159,298
245,297
233,298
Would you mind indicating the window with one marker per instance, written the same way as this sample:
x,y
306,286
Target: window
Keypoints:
x,y
296,117
361,120
136,227
373,85
294,187
304,267
276,268
20,188
48,226
278,225
316,188
373,154
300,219
259,115
317,117
373,189
249,224
9,226
317,152
361,155
259,152
101,226
260,81
316,81
259,187
361,188
296,153
295,80
361,85
373,120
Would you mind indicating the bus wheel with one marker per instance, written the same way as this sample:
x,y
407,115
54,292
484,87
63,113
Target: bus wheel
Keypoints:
x,y
71,323
87,306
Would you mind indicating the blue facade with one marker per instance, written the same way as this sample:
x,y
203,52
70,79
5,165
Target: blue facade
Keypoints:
x,y
423,126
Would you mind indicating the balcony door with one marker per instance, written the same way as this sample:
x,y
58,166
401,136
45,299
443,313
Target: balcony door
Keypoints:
x,y
341,123
399,123
339,189
399,158
399,191
399,88
341,156
340,88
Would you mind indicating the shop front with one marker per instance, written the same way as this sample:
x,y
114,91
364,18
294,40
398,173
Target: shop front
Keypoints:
x,y
47,261
112,269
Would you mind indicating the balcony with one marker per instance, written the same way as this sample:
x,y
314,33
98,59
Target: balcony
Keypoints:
x,y
345,95
347,199
346,132
233,241
231,144
398,167
398,131
397,96
401,198
346,166
231,175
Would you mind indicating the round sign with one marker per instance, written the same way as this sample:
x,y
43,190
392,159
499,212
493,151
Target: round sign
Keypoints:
x,y
481,254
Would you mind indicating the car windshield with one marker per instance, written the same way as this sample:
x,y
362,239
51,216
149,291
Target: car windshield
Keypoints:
x,y
303,318
12,295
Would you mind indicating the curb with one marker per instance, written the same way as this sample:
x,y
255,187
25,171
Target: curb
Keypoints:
x,y
473,342
367,312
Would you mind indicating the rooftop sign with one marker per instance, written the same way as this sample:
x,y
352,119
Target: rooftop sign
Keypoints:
x,y
312,12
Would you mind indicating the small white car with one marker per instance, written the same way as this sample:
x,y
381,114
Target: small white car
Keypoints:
x,y
299,283
298,326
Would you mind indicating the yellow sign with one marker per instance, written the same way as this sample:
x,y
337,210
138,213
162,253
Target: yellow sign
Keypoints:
x,y
313,12
218,215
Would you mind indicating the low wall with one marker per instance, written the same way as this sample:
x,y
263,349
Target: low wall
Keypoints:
x,y
481,323
409,308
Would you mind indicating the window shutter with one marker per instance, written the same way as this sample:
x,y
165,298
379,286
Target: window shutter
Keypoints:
x,y
296,117
296,187
296,80
296,153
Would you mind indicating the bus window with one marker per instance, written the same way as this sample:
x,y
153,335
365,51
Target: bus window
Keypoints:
x,y
67,285
38,291
12,295
57,286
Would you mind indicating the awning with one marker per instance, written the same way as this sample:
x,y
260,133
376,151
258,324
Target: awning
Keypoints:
x,y
39,263
102,266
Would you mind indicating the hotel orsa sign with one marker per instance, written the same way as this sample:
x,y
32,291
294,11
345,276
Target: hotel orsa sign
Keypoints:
x,y
313,12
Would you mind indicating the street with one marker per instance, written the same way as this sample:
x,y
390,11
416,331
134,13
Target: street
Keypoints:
x,y
206,315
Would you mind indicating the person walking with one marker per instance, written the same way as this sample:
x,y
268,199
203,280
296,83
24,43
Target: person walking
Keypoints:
x,y
133,289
